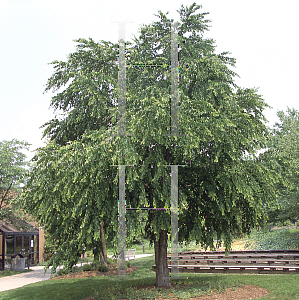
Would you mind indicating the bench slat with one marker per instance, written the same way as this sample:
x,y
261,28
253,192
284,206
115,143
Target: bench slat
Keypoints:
x,y
234,266
273,261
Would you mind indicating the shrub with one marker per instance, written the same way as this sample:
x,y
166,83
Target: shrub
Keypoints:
x,y
62,272
83,260
110,260
87,267
128,264
75,269
102,268
276,239
95,264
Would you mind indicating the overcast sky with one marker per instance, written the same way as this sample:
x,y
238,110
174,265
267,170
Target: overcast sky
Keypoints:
x,y
261,35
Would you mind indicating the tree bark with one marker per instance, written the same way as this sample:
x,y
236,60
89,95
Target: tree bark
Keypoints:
x,y
103,252
162,273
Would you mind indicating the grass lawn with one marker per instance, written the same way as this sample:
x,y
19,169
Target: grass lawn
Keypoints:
x,y
282,287
139,249
9,272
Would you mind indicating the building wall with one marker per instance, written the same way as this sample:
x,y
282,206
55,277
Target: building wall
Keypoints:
x,y
41,238
41,244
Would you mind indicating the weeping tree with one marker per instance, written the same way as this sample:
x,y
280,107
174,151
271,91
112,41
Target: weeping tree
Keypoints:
x,y
223,187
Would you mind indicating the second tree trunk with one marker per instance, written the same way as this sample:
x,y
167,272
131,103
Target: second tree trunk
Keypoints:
x,y
162,272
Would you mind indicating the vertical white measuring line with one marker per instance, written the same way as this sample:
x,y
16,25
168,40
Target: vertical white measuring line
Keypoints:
x,y
122,79
122,231
174,132
174,80
174,222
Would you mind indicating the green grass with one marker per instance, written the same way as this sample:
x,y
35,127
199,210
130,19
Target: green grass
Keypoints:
x,y
9,272
282,287
139,249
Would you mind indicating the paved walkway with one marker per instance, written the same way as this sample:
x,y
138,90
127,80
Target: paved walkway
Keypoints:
x,y
19,280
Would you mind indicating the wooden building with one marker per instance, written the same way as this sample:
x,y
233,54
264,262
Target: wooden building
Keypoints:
x,y
14,240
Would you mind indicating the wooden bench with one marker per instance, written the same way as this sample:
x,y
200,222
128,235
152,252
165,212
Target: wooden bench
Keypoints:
x,y
131,253
236,269
238,261
268,262
244,252
237,256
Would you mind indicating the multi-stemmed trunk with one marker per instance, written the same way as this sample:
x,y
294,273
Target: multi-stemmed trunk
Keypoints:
x,y
162,272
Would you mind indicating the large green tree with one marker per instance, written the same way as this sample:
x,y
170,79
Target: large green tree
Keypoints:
x,y
13,171
222,189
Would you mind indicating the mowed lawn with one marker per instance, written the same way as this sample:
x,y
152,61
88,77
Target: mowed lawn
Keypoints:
x,y
281,287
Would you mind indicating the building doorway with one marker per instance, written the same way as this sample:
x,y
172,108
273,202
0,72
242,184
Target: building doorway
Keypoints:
x,y
13,241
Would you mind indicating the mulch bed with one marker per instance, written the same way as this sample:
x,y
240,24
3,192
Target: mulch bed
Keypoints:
x,y
112,271
242,293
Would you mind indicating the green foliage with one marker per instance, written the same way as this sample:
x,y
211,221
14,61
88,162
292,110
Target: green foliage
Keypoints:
x,y
87,267
102,268
284,150
12,162
275,239
98,267
76,269
95,264
12,173
223,187
110,260
62,272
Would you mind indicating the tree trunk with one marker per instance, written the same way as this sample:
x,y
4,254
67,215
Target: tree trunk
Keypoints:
x,y
162,273
103,252
96,254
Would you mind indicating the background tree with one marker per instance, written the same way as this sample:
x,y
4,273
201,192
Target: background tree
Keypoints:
x,y
284,150
12,173
223,190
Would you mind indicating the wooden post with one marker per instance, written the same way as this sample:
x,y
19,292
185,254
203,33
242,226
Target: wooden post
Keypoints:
x,y
3,251
29,253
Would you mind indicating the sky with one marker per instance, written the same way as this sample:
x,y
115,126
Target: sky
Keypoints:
x,y
261,35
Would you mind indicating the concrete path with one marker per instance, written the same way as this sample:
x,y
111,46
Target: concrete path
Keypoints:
x,y
136,256
19,280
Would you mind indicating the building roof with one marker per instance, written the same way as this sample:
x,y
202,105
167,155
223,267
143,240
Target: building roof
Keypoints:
x,y
8,228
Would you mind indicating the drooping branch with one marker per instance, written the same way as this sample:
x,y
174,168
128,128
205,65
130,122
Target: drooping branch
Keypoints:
x,y
3,197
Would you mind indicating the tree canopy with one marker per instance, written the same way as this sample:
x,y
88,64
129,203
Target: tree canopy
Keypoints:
x,y
12,173
283,149
222,189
